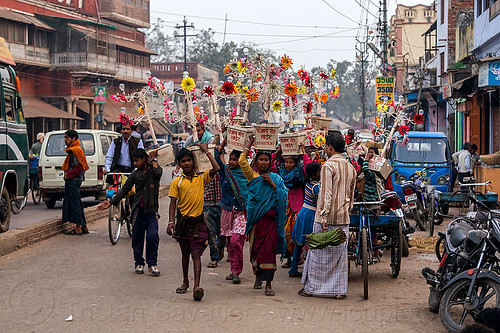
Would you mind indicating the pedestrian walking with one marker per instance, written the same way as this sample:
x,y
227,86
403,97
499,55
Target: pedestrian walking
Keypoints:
x,y
74,168
266,214
233,205
305,219
146,179
186,201
326,270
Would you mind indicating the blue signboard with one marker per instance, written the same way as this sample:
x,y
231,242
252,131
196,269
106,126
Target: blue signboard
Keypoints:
x,y
489,74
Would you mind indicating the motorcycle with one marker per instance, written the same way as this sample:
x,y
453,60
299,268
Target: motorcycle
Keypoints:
x,y
415,193
467,279
393,203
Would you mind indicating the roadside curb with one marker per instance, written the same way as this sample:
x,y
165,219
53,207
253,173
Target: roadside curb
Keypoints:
x,y
18,238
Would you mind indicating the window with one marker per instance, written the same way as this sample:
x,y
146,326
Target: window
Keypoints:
x,y
423,150
4,30
57,147
16,32
392,52
441,56
37,38
102,45
10,115
479,5
104,144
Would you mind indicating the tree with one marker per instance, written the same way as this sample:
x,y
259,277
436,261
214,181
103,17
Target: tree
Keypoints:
x,y
167,47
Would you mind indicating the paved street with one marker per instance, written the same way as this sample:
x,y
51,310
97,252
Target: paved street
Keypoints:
x,y
88,278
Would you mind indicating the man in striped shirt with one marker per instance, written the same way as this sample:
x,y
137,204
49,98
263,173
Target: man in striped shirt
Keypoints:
x,y
325,270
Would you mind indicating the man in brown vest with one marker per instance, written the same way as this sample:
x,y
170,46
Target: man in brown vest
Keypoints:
x,y
119,152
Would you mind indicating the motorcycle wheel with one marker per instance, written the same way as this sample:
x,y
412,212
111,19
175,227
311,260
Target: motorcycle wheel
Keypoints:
x,y
434,300
453,310
419,215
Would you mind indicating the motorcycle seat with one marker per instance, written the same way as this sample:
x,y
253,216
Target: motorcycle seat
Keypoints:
x,y
458,233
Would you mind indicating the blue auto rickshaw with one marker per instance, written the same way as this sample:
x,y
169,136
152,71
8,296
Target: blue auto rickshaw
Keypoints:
x,y
422,150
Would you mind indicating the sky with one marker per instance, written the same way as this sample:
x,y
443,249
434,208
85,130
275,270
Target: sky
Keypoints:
x,y
311,32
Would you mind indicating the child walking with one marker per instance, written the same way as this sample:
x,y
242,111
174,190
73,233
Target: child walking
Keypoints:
x,y
233,204
146,179
186,201
305,218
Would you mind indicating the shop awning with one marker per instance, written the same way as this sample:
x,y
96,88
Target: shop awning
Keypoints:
x,y
24,18
112,110
132,45
36,108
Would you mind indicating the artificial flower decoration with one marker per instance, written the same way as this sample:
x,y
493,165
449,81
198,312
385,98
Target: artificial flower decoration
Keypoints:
x,y
226,69
241,68
403,129
228,88
277,105
323,76
382,108
324,98
118,98
335,92
308,106
316,97
286,62
233,65
377,121
208,90
125,120
188,84
347,139
252,95
301,73
419,119
291,89
273,88
238,87
332,73
320,141
140,110
377,131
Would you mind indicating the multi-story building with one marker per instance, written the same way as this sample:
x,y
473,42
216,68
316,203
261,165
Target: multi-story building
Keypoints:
x,y
65,48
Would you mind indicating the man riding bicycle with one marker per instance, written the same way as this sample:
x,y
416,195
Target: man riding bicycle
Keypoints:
x,y
119,152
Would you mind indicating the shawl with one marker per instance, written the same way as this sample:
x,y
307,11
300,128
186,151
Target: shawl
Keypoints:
x,y
206,137
261,199
294,178
238,182
76,149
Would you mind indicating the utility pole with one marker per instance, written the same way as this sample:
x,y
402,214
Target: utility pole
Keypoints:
x,y
384,36
184,26
362,56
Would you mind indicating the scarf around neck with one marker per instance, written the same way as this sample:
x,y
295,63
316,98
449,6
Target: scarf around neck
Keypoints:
x,y
76,149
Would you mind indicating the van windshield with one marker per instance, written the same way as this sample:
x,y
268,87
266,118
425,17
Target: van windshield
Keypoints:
x,y
56,145
422,150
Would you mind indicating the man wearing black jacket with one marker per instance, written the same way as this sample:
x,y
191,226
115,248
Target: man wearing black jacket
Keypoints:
x,y
146,179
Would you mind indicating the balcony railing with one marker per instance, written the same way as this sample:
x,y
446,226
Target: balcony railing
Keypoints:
x,y
84,61
131,72
29,54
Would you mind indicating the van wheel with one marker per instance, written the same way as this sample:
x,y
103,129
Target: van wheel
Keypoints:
x,y
5,211
50,203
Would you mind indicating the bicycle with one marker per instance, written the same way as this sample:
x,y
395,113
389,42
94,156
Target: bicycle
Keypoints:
x,y
119,215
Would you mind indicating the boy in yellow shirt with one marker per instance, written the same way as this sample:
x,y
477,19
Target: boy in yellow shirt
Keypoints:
x,y
186,196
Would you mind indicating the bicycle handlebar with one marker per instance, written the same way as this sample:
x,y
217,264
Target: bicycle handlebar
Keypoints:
x,y
368,203
119,173
475,184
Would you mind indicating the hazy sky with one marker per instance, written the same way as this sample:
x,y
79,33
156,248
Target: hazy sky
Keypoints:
x,y
284,26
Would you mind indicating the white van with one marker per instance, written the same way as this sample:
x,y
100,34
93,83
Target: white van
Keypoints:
x,y
95,144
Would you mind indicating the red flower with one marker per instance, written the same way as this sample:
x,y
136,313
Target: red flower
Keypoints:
x,y
403,129
323,76
209,91
228,88
125,120
376,131
347,139
308,107
419,119
307,81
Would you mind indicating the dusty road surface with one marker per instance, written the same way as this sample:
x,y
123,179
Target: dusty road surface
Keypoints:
x,y
91,280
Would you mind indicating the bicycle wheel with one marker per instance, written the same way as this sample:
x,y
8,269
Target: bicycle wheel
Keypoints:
x,y
114,224
418,214
36,193
433,215
364,260
396,250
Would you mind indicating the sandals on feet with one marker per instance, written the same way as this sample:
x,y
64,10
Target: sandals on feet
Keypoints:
x,y
296,274
236,279
257,285
72,232
230,277
270,293
304,293
212,264
181,290
198,293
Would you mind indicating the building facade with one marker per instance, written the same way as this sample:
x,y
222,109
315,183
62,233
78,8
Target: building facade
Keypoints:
x,y
64,49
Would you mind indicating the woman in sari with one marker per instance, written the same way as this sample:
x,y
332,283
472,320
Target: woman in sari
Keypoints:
x,y
266,209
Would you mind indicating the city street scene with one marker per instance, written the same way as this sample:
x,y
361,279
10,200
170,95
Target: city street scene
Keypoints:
x,y
273,166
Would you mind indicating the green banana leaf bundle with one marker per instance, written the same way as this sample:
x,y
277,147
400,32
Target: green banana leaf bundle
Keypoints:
x,y
321,240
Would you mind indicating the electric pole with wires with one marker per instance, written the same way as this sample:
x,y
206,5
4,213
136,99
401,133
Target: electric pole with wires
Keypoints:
x,y
184,26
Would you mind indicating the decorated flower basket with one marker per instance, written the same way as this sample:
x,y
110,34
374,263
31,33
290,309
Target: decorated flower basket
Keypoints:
x,y
266,136
238,136
201,160
166,155
321,123
290,143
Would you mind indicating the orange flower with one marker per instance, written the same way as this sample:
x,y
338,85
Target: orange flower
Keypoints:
x,y
286,62
252,95
226,69
300,72
324,98
291,89
316,97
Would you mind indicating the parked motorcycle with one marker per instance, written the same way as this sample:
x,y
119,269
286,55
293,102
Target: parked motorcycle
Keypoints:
x,y
393,203
415,193
466,281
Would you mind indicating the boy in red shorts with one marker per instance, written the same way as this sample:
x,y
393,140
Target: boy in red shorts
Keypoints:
x,y
186,193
